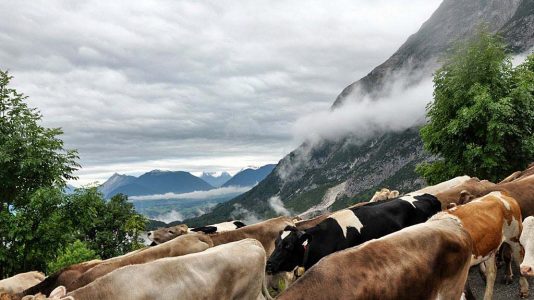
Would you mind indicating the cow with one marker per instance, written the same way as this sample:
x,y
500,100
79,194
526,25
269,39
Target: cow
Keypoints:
x,y
231,271
163,235
20,282
519,174
384,194
179,246
166,234
527,240
425,261
220,227
348,228
62,277
443,186
456,194
491,220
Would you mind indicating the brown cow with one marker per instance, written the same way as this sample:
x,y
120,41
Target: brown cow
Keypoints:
x,y
20,282
490,221
64,276
519,174
425,261
182,245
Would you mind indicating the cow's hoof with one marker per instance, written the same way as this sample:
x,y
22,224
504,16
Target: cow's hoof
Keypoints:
x,y
523,295
507,279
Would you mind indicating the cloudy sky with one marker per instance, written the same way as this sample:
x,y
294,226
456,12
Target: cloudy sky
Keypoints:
x,y
192,85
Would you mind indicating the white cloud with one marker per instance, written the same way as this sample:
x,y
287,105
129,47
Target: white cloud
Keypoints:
x,y
245,215
278,206
402,108
136,82
169,217
197,195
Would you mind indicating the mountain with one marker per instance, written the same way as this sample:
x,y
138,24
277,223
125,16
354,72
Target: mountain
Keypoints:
x,y
249,176
153,182
214,179
336,173
114,182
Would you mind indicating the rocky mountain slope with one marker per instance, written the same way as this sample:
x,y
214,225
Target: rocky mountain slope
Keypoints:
x,y
309,175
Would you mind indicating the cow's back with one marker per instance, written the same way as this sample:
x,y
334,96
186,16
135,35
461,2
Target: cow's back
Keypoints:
x,y
419,262
230,271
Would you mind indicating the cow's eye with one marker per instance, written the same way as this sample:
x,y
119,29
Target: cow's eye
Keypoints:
x,y
171,232
287,247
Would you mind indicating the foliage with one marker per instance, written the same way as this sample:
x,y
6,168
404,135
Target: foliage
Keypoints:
x,y
39,224
74,253
31,156
481,121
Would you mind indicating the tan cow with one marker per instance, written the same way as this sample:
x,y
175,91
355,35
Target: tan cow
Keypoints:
x,y
265,232
163,235
166,234
20,282
231,271
384,194
490,221
182,245
408,264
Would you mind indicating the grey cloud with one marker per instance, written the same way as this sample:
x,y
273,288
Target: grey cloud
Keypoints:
x,y
136,81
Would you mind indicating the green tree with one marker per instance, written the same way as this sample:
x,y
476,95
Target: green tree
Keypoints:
x,y
31,156
74,253
39,224
111,227
481,122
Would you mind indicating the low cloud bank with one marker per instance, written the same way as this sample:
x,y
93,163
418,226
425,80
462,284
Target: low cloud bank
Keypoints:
x,y
197,195
245,215
363,116
278,206
169,217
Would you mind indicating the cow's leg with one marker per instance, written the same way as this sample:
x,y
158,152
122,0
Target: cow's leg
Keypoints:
x,y
491,272
506,255
518,254
482,270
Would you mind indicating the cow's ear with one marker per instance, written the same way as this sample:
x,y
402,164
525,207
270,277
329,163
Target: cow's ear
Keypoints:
x,y
290,228
303,237
451,205
58,292
465,197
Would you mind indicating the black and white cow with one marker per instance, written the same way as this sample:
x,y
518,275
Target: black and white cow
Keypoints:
x,y
347,228
221,227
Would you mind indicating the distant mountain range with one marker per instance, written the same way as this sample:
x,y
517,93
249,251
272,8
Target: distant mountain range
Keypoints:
x,y
250,176
215,180
179,182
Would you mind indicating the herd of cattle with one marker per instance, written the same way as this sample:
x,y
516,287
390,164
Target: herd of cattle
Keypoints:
x,y
416,246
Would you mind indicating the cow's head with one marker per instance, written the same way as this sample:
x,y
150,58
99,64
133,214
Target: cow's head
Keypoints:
x,y
527,241
290,247
163,235
465,197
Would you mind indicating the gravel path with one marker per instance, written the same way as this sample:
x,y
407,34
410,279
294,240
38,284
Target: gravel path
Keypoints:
x,y
501,291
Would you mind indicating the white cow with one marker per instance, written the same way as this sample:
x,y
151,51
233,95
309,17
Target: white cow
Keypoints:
x,y
527,240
